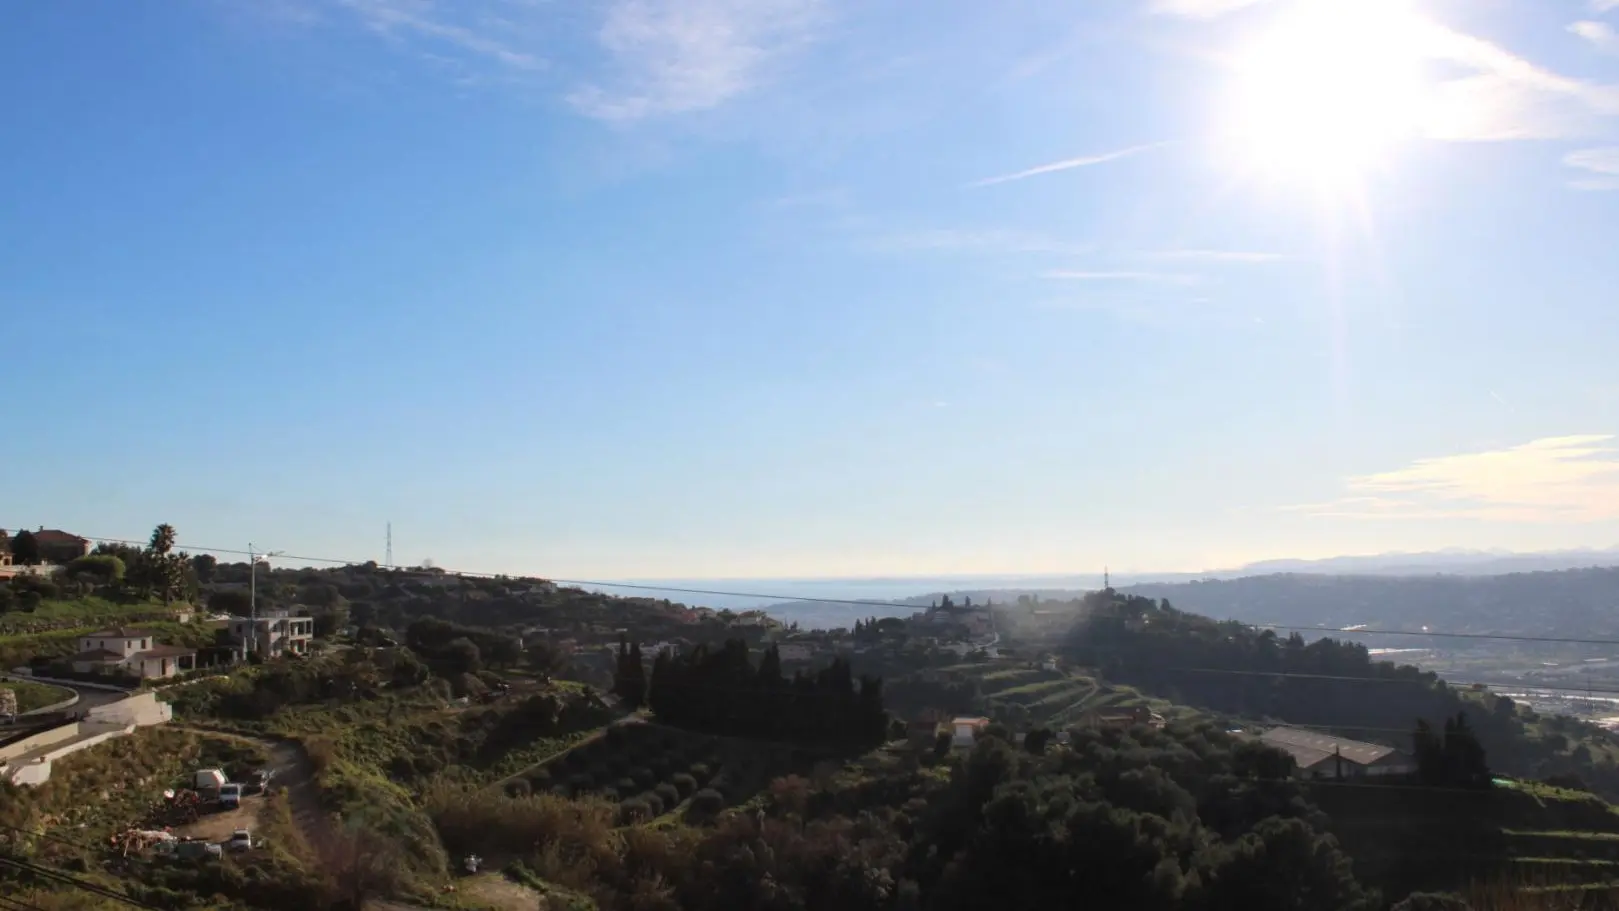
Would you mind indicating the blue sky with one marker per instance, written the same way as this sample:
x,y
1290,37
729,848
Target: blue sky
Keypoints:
x,y
701,288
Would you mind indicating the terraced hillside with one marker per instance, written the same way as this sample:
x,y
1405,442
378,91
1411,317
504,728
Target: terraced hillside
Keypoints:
x,y
651,771
1517,835
1017,693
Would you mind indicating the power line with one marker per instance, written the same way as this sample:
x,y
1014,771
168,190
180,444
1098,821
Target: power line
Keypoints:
x,y
890,605
855,602
81,884
1454,684
48,837
1509,637
583,583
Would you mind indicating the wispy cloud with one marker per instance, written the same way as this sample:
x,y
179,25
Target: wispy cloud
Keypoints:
x,y
1601,167
675,56
1216,256
1508,96
1600,34
487,35
1068,164
1084,276
1500,96
1556,479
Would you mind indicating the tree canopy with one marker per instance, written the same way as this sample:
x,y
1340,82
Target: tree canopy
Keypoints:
x,y
721,691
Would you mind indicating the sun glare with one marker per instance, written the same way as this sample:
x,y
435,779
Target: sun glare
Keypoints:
x,y
1329,90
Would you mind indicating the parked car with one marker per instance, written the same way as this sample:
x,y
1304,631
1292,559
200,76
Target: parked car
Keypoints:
x,y
259,781
230,796
240,840
196,850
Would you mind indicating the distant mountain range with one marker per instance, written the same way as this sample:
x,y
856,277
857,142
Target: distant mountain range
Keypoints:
x,y
1457,562
812,602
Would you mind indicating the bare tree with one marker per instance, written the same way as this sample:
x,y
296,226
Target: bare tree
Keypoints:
x,y
360,863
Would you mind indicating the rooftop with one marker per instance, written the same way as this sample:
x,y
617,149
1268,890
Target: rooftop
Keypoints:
x,y
164,651
121,632
1311,747
58,536
97,654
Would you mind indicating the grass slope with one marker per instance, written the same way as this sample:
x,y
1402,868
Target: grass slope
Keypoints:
x,y
32,695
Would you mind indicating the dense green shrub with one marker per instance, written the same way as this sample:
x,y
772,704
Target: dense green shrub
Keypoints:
x,y
705,805
633,811
668,793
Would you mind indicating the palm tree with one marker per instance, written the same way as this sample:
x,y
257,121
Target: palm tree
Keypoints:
x,y
162,539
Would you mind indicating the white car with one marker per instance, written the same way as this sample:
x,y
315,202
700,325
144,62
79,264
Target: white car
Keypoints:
x,y
240,840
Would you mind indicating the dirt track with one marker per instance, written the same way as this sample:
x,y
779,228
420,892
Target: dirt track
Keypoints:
x,y
295,778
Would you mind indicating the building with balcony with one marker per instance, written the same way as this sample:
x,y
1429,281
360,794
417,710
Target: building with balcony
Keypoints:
x,y
272,634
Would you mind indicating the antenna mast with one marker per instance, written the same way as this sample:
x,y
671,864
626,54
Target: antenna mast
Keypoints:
x,y
388,560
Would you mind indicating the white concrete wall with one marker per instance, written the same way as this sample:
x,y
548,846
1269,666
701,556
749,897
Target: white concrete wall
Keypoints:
x,y
140,709
38,770
157,667
32,775
42,739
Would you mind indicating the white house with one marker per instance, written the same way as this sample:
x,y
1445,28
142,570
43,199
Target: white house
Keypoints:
x,y
964,730
273,634
134,651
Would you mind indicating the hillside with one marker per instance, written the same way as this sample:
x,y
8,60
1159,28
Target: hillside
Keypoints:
x,y
365,594
1572,603
436,731
1243,673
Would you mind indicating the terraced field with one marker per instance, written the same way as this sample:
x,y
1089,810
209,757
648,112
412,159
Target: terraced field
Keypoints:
x,y
1524,836
654,771
1034,696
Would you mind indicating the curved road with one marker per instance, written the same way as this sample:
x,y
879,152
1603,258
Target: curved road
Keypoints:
x,y
89,697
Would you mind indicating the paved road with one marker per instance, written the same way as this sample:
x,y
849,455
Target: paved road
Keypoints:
x,y
88,698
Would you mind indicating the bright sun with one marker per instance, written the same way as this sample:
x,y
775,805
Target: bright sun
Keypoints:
x,y
1329,89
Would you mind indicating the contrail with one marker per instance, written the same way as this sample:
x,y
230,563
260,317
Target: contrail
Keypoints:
x,y
1071,163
